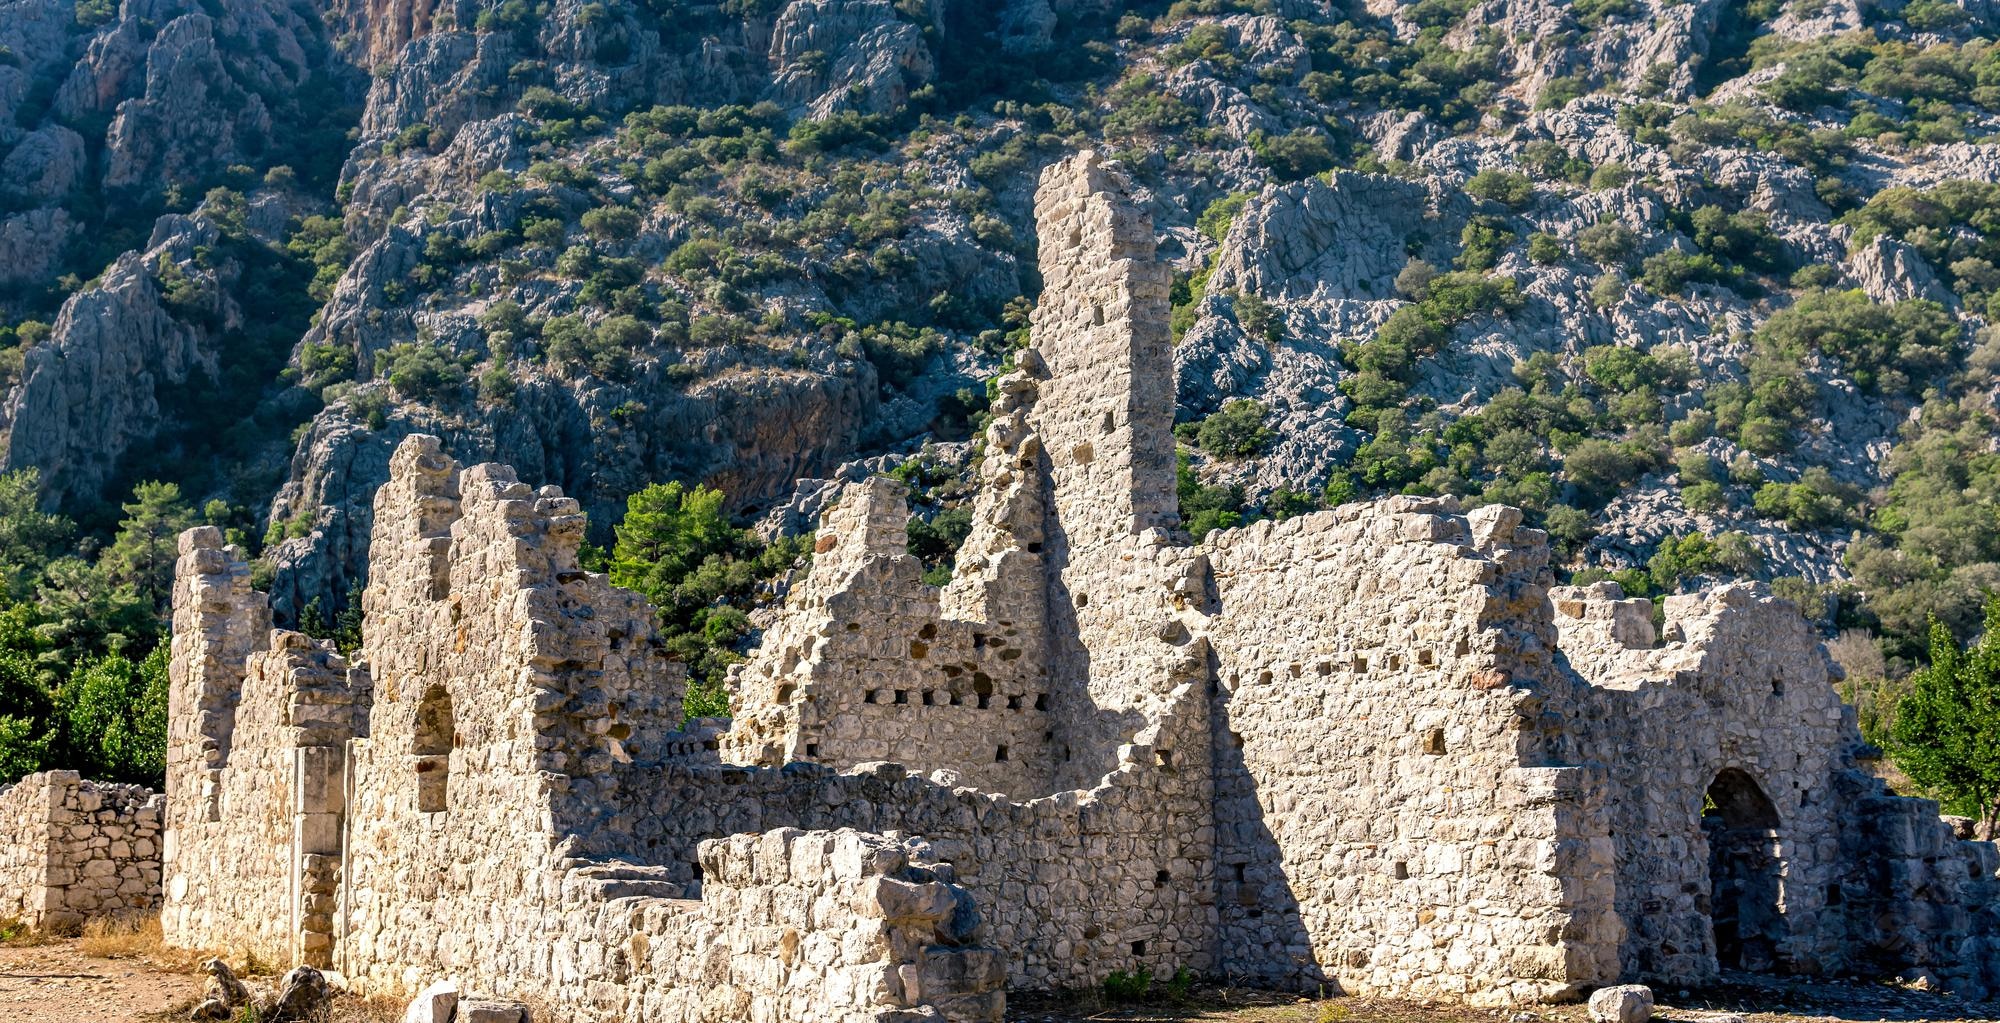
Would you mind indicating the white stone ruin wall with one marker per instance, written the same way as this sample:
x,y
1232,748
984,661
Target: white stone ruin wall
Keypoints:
x,y
865,666
1738,681
1384,821
72,850
1071,886
505,688
257,718
1120,625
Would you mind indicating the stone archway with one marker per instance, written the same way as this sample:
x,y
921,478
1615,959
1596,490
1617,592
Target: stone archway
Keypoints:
x,y
1746,905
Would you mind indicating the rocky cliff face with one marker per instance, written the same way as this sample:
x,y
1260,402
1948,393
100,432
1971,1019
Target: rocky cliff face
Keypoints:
x,y
619,241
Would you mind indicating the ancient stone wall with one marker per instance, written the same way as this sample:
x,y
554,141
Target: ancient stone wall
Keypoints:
x,y
866,666
257,722
521,710
71,850
1121,634
1073,885
1747,835
1386,818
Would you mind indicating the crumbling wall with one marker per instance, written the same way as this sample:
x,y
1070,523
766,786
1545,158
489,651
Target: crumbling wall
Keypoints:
x,y
1072,886
1387,816
1736,683
256,722
507,682
1122,635
865,665
72,849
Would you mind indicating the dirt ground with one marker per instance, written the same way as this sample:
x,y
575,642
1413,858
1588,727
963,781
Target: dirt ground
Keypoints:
x,y
57,982
1754,999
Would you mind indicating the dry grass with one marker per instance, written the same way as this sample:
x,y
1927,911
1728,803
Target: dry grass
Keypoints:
x,y
15,934
353,1009
134,937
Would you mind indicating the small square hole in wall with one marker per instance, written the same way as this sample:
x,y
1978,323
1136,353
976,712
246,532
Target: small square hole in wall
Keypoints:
x,y
1013,703
786,692
1402,871
1360,664
871,696
812,749
985,701
1042,701
1161,879
1242,871
1000,754
1777,687
1425,658
1139,948
1164,759
1434,742
902,696
930,698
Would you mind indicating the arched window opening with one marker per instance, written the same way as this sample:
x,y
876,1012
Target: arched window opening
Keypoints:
x,y
1746,904
431,746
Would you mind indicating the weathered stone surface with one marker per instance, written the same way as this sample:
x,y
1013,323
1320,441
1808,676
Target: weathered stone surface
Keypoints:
x,y
1373,747
72,849
1623,1003
434,1004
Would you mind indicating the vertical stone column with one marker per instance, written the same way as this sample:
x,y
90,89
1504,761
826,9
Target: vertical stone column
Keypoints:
x,y
1106,411
218,622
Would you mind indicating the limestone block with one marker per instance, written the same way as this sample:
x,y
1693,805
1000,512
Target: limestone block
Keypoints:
x,y
1623,1003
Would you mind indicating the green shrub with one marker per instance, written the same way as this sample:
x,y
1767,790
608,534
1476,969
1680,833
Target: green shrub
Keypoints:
x,y
1236,431
1504,187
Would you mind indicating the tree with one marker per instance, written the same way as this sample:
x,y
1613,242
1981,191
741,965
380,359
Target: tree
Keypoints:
x,y
1947,731
29,537
114,718
148,543
1237,431
668,531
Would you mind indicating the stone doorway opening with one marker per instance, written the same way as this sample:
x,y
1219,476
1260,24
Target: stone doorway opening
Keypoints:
x,y
1746,904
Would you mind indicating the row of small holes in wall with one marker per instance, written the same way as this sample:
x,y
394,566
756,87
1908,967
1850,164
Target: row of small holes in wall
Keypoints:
x,y
901,697
1394,662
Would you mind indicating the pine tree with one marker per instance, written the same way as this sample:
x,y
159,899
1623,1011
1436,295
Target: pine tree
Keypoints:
x,y
1947,731
143,554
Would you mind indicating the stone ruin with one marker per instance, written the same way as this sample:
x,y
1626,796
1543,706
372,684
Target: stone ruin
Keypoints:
x,y
1373,748
72,849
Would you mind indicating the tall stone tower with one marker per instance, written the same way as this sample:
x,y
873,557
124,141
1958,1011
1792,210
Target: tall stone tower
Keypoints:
x,y
1106,410
1123,599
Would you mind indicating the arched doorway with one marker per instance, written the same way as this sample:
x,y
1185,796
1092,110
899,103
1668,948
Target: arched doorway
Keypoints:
x,y
1745,894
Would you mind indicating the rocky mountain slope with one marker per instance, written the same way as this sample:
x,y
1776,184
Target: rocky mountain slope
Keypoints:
x,y
1708,269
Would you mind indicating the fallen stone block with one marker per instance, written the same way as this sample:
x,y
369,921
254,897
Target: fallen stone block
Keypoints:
x,y
1624,1003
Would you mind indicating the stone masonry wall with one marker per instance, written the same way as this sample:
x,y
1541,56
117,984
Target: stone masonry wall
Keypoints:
x,y
257,719
1383,820
521,708
71,850
1121,632
1072,886
912,686
1736,682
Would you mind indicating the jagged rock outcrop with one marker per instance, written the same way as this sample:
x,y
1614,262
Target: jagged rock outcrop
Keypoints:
x,y
105,378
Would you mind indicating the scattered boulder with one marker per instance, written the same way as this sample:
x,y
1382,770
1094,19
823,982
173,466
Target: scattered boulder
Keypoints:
x,y
487,1010
434,1004
303,995
1623,1003
222,988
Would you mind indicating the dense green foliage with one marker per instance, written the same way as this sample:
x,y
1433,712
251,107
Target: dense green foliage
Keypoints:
x,y
677,547
83,680
1947,730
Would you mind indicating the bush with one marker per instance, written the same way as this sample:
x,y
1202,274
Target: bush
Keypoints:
x,y
1544,249
1890,348
1301,154
420,371
1237,431
1678,559
1504,187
